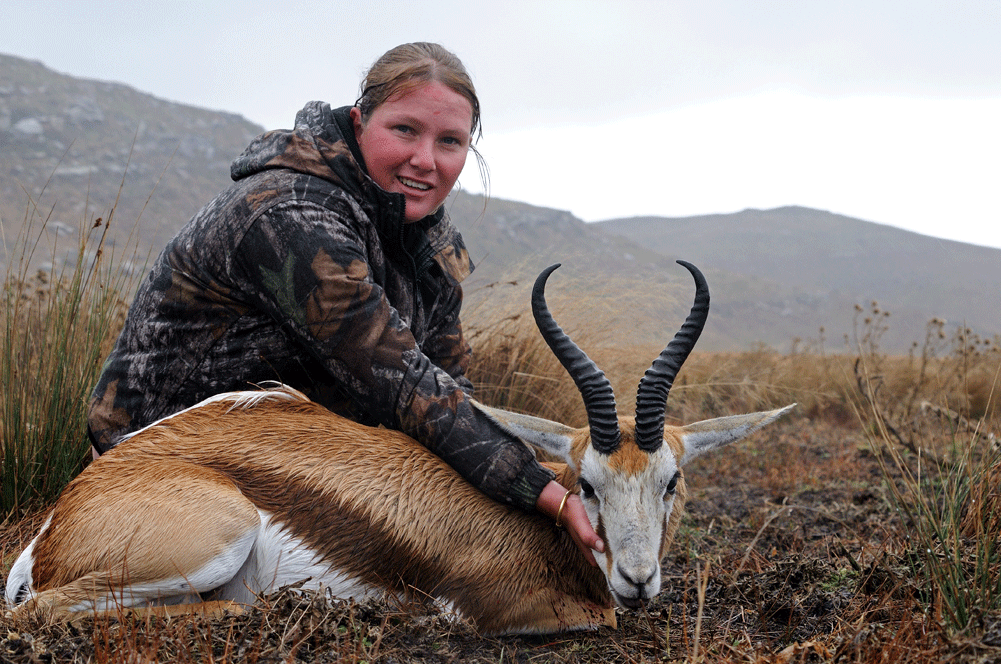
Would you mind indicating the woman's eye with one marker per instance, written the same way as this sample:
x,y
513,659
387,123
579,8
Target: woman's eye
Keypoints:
x,y
586,489
404,129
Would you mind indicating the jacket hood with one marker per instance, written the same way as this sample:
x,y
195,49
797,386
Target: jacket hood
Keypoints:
x,y
317,145
322,144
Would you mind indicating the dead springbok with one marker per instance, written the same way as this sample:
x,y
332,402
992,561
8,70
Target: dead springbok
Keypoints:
x,y
249,491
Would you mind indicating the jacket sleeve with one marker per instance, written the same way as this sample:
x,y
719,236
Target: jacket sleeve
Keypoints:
x,y
310,273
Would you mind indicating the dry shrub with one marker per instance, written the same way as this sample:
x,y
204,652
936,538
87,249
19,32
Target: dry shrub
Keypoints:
x,y
513,367
982,514
717,384
57,325
949,374
932,420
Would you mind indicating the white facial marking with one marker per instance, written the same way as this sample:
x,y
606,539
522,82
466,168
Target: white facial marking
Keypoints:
x,y
634,509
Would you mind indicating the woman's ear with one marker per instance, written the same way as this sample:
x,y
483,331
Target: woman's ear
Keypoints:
x,y
356,121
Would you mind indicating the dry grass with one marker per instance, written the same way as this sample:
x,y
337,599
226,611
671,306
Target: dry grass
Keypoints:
x,y
56,327
803,544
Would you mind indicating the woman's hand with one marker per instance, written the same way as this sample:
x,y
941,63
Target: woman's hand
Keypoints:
x,y
574,519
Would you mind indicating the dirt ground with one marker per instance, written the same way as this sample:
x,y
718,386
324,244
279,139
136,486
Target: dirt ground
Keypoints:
x,y
791,551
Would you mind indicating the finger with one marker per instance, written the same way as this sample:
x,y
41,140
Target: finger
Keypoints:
x,y
584,527
582,545
583,533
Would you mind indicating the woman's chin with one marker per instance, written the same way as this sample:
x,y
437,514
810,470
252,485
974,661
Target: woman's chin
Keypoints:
x,y
417,210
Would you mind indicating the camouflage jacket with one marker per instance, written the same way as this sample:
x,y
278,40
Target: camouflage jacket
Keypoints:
x,y
304,272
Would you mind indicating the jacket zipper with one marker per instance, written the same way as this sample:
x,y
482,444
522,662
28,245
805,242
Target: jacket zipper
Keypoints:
x,y
417,279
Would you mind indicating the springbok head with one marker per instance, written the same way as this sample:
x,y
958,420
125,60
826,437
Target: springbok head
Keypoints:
x,y
628,469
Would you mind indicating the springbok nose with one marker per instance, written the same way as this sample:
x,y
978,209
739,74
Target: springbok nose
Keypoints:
x,y
638,577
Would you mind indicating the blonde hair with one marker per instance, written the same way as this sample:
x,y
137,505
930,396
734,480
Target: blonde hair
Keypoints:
x,y
408,66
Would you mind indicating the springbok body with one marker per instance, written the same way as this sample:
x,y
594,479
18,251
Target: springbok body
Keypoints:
x,y
250,491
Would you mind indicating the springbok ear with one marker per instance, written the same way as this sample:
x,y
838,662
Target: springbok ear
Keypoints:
x,y
707,435
552,438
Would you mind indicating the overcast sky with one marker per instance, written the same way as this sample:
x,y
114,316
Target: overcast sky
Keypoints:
x,y
888,111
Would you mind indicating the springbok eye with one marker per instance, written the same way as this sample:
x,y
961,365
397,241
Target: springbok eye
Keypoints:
x,y
585,488
672,486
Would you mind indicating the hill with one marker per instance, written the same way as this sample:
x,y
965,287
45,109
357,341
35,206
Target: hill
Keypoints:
x,y
73,147
827,259
641,293
777,276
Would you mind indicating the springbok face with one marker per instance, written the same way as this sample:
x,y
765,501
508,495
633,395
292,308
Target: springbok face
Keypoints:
x,y
628,470
629,495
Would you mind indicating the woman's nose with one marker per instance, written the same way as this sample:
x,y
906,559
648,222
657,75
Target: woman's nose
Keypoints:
x,y
423,156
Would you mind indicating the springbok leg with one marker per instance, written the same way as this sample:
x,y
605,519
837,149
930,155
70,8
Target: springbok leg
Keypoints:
x,y
119,539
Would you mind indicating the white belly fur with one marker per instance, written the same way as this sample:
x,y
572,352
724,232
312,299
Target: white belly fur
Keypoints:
x,y
20,572
278,559
261,561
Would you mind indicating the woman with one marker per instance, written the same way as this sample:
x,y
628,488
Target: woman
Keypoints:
x,y
330,265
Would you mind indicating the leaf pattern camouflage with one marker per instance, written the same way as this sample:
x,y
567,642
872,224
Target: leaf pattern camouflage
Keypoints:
x,y
304,272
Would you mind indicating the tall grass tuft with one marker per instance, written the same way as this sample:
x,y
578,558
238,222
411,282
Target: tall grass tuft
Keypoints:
x,y
57,323
953,510
942,466
513,367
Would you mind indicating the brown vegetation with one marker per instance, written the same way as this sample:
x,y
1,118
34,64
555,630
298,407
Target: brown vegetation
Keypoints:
x,y
864,529
810,543
56,328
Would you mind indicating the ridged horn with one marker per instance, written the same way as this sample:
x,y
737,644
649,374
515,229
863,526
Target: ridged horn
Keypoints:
x,y
594,387
651,397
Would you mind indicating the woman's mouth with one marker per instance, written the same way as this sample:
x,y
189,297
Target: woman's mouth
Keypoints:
x,y
413,184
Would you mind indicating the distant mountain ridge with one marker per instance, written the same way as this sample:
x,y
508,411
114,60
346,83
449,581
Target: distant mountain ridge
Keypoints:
x,y
830,256
775,275
69,144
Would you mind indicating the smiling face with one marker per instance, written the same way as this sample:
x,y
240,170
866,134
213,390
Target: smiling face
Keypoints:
x,y
416,143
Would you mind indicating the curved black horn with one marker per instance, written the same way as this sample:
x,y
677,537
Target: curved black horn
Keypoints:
x,y
651,397
594,387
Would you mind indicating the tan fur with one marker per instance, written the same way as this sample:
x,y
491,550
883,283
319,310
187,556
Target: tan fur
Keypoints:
x,y
170,498
628,459
213,610
372,501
